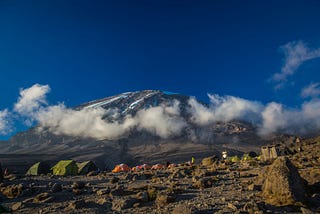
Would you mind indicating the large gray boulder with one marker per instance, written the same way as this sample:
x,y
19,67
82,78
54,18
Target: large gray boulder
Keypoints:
x,y
283,185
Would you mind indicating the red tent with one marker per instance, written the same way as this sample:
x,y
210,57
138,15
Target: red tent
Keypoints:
x,y
121,168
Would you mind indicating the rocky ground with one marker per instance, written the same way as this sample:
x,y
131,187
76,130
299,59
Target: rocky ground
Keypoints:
x,y
288,185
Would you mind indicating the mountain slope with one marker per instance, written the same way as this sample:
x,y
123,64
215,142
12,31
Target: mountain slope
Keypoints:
x,y
138,144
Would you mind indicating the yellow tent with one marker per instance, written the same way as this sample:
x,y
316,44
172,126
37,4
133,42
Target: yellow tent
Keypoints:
x,y
65,167
38,168
234,159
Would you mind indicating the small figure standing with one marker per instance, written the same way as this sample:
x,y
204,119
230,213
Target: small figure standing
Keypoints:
x,y
192,160
224,155
6,173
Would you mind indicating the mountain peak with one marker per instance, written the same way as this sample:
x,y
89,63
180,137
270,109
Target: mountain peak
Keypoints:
x,y
131,102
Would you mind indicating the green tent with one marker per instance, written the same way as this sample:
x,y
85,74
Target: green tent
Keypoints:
x,y
86,167
234,159
39,168
247,157
65,167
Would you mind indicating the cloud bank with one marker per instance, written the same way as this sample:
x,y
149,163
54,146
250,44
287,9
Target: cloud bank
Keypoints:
x,y
295,54
165,120
224,108
270,118
88,122
304,120
84,123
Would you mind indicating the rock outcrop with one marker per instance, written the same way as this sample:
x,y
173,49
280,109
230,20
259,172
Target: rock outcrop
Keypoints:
x,y
283,184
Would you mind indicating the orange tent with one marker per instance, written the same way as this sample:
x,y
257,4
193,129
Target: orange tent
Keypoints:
x,y
141,167
145,167
157,166
121,168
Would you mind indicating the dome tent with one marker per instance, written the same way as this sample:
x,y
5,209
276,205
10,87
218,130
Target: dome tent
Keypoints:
x,y
121,168
86,167
65,167
39,168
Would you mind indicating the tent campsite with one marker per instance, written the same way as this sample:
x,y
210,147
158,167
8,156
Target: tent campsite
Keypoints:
x,y
157,166
86,167
121,168
39,168
65,167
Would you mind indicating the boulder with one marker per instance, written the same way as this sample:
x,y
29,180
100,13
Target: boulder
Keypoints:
x,y
202,183
164,198
16,206
209,161
152,193
120,192
142,196
43,198
12,191
199,172
137,185
283,184
123,203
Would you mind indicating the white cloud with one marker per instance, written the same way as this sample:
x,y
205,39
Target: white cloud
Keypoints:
x,y
164,121
273,119
31,100
295,53
228,108
5,126
33,106
270,118
299,121
224,108
309,120
200,114
312,90
82,123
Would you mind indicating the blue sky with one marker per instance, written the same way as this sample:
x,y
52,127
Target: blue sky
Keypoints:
x,y
85,50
